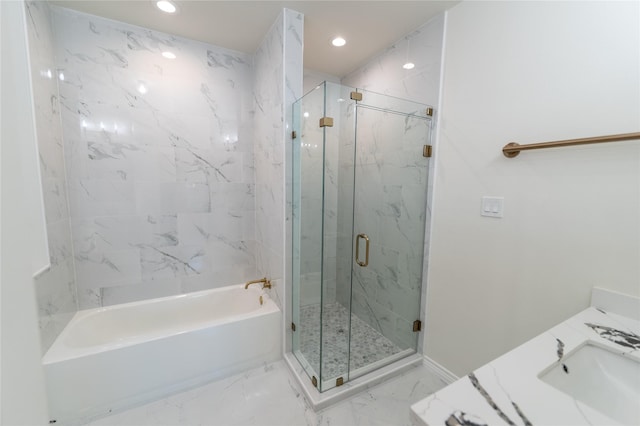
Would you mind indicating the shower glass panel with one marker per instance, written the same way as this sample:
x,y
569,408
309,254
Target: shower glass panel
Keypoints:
x,y
359,202
307,186
322,329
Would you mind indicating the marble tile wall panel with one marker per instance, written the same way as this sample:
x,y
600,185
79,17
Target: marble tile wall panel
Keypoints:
x,y
159,159
55,288
293,77
384,74
278,83
269,152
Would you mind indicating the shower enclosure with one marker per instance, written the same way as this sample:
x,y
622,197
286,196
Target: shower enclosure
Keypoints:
x,y
360,167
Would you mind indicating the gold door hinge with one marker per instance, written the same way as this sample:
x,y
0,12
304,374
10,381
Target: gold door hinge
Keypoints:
x,y
417,325
430,112
427,151
314,381
356,96
294,135
293,326
326,122
339,381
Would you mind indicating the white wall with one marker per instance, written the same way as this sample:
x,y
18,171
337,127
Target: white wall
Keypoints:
x,y
23,399
532,72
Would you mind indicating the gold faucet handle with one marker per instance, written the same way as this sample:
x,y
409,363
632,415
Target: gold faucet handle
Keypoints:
x,y
265,283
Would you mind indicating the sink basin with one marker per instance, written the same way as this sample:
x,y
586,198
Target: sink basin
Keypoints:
x,y
604,380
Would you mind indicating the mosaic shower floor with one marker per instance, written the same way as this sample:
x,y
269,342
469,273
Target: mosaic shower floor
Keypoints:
x,y
367,344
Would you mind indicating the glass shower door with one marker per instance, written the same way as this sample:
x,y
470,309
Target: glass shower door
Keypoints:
x,y
390,196
358,208
322,216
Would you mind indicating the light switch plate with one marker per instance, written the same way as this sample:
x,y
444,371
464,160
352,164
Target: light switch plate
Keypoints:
x,y
492,206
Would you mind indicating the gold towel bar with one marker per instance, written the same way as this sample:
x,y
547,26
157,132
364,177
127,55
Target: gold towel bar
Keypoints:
x,y
512,149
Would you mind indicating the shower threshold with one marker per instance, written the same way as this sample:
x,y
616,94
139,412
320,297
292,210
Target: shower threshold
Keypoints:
x,y
358,372
368,379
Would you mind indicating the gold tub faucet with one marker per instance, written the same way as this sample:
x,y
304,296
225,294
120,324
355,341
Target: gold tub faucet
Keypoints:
x,y
265,283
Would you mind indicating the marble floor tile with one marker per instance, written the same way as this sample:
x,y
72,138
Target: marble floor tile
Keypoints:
x,y
269,395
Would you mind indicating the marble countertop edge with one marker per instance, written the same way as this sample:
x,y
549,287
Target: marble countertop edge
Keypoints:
x,y
508,390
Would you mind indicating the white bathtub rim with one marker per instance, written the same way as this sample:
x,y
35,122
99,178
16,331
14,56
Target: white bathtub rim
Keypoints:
x,y
59,352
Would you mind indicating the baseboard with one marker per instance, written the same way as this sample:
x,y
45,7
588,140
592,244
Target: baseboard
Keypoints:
x,y
447,376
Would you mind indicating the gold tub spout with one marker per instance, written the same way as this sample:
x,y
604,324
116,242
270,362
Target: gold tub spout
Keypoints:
x,y
265,283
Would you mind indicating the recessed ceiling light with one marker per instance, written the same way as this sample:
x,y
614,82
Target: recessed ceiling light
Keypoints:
x,y
142,88
166,6
169,55
338,41
409,66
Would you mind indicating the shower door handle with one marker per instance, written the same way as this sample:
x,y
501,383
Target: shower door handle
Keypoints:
x,y
366,254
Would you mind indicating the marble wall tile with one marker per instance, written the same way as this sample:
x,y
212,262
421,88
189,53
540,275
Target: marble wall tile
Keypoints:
x,y
57,300
173,262
55,288
204,166
99,234
108,159
277,84
170,198
104,268
225,253
160,159
89,298
384,74
217,226
293,89
219,277
60,242
100,197
140,291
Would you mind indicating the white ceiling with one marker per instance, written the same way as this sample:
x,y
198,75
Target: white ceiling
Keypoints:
x,y
368,26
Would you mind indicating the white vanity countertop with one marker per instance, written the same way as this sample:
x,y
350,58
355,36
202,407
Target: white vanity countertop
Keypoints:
x,y
507,391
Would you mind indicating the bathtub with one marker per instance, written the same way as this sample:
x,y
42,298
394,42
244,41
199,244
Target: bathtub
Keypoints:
x,y
115,357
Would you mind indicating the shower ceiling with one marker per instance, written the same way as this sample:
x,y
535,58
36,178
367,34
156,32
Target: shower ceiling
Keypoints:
x,y
368,26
